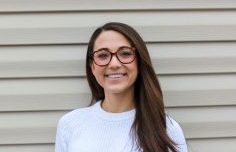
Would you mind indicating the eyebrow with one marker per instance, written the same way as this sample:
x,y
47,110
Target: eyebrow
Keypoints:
x,y
104,48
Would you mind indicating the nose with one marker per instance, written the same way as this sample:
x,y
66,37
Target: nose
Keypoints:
x,y
114,62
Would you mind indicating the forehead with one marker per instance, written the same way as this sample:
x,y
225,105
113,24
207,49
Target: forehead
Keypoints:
x,y
110,39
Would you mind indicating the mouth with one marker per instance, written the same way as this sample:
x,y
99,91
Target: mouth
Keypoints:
x,y
115,75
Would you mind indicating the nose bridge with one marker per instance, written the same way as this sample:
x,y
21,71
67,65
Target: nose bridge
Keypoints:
x,y
114,60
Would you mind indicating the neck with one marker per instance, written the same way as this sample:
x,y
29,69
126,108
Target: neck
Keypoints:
x,y
118,102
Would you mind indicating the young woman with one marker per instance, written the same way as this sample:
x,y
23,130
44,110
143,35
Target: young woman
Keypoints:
x,y
127,110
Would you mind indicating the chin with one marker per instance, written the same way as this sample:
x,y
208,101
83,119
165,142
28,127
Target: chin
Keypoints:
x,y
116,90
119,89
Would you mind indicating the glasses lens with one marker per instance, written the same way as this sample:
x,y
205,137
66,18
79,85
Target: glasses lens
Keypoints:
x,y
102,57
126,55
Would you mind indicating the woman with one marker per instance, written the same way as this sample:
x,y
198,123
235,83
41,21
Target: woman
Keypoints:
x,y
127,110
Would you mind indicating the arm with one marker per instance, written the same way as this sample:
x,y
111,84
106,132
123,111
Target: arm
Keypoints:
x,y
175,132
60,143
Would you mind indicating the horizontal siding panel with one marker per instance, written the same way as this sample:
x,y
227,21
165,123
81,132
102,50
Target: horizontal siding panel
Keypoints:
x,y
71,5
44,36
43,94
28,127
150,34
179,91
199,90
165,26
201,98
206,122
69,60
27,148
94,19
35,102
196,65
210,145
42,61
185,58
33,86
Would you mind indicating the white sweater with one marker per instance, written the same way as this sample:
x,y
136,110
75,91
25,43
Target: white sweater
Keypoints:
x,y
92,129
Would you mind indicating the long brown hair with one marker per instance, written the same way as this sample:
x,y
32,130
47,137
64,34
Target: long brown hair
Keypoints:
x,y
149,125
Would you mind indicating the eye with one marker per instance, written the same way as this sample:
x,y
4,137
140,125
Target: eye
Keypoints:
x,y
126,52
102,55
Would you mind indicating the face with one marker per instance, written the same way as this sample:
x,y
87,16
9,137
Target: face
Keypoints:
x,y
115,77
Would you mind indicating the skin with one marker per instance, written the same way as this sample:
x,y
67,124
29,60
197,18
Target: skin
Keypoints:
x,y
116,78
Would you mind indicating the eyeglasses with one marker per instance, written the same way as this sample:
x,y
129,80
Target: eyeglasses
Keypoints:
x,y
103,56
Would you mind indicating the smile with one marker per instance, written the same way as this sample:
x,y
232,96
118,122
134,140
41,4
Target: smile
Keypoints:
x,y
115,75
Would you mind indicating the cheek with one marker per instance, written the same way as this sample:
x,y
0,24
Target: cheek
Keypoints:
x,y
134,68
133,72
92,68
97,71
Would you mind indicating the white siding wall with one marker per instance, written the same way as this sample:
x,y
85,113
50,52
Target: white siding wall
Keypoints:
x,y
42,74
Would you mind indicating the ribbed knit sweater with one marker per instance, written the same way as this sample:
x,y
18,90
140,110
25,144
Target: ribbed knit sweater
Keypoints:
x,y
92,129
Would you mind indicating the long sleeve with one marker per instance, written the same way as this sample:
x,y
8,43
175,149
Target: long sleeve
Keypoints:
x,y
176,134
60,143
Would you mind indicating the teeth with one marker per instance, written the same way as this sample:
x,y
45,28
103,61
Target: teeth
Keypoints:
x,y
115,75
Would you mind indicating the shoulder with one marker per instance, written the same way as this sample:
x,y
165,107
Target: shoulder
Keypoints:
x,y
73,118
67,124
173,126
175,132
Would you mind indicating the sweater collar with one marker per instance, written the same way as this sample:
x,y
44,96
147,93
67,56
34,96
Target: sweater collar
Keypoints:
x,y
109,116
